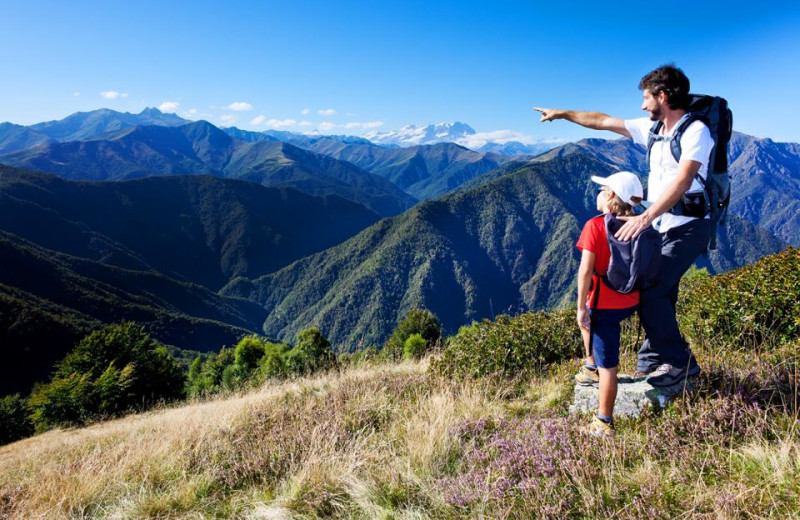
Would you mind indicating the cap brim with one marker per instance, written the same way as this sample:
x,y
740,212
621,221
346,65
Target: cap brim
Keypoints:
x,y
602,181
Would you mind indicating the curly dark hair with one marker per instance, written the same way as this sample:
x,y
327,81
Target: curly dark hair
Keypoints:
x,y
670,80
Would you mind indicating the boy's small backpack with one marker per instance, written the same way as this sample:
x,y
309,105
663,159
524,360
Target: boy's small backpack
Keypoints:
x,y
635,264
714,113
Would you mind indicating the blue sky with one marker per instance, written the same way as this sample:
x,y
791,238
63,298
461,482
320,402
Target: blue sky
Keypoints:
x,y
356,66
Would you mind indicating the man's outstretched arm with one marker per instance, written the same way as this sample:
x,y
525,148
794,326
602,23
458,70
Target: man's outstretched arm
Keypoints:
x,y
593,120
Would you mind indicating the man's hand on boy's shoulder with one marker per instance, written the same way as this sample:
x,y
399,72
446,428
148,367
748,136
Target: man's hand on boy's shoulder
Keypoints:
x,y
633,226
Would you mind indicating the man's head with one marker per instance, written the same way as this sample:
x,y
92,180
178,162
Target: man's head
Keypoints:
x,y
666,87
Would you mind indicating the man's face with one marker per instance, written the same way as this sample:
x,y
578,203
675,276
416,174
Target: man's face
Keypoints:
x,y
652,104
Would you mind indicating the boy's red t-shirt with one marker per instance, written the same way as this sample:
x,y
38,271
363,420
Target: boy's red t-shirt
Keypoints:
x,y
593,238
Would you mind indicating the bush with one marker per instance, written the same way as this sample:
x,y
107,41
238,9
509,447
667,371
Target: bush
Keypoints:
x,y
206,376
248,353
418,321
751,307
110,371
313,351
510,346
414,347
14,421
273,364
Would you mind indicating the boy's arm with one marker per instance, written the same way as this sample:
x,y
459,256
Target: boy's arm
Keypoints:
x,y
593,120
584,281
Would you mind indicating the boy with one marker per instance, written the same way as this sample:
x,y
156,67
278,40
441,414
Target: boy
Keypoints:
x,y
618,194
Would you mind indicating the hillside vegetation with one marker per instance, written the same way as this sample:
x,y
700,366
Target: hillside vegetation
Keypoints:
x,y
499,247
464,433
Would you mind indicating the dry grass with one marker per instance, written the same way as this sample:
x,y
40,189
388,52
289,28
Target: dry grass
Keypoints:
x,y
389,441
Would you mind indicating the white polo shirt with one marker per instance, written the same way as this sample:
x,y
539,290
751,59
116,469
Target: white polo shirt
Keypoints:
x,y
696,145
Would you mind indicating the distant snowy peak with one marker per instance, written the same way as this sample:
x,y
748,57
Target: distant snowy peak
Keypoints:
x,y
505,142
413,135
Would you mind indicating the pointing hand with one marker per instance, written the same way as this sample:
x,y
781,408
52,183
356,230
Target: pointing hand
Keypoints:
x,y
548,114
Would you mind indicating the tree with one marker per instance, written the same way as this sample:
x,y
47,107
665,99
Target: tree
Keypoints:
x,y
273,364
315,348
249,352
14,421
110,371
417,321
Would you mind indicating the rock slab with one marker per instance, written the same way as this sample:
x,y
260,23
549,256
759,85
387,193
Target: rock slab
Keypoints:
x,y
633,396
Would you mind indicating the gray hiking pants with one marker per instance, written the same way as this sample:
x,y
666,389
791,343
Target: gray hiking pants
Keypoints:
x,y
663,340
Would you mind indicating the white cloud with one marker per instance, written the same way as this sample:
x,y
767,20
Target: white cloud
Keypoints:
x,y
327,112
228,119
240,106
364,126
305,123
327,125
113,94
499,136
281,123
170,107
76,94
258,120
190,114
305,111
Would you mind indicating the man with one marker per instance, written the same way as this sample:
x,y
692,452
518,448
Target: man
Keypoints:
x,y
665,357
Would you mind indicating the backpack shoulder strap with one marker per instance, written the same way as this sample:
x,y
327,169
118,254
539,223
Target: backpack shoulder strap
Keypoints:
x,y
675,144
651,138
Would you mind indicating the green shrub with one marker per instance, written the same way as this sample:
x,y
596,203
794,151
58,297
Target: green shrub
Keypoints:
x,y
414,347
273,364
248,353
418,321
752,307
110,371
14,421
314,350
297,362
206,377
510,346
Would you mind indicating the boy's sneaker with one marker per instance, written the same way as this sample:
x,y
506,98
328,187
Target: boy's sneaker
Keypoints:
x,y
668,375
602,429
587,377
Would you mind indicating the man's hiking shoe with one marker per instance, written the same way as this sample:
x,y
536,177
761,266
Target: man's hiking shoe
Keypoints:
x,y
602,429
668,375
587,377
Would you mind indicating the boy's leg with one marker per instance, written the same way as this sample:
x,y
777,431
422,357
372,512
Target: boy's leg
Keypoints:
x,y
608,391
606,331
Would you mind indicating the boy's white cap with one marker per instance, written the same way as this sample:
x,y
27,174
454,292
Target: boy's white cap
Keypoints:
x,y
624,184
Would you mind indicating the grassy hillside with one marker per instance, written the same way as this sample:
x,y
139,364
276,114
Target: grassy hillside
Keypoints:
x,y
395,441
403,441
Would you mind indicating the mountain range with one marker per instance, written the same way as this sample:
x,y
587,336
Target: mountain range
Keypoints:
x,y
78,126
200,147
505,245
183,230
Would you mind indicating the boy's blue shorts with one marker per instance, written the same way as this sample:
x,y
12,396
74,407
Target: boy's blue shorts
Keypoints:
x,y
605,335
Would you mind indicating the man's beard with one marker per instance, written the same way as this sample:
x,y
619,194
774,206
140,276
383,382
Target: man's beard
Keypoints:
x,y
655,114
